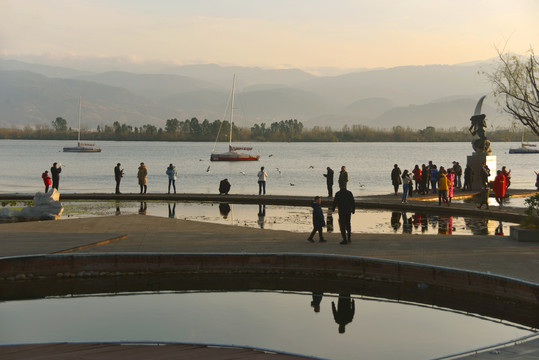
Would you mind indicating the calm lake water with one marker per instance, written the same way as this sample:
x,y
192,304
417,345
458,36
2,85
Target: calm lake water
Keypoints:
x,y
300,165
376,329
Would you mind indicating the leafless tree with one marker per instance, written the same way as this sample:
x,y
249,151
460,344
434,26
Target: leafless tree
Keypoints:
x,y
515,87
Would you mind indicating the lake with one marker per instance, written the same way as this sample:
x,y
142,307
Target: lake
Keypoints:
x,y
300,165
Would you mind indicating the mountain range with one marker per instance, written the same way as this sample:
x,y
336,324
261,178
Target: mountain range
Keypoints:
x,y
441,96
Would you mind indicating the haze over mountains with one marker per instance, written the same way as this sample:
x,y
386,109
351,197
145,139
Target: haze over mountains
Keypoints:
x,y
442,96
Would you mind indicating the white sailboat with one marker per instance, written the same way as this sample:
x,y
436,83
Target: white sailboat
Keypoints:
x,y
232,154
82,147
525,148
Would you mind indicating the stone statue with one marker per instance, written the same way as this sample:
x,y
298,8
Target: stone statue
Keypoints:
x,y
481,145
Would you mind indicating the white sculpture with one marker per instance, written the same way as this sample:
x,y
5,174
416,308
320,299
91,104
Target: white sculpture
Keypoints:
x,y
47,206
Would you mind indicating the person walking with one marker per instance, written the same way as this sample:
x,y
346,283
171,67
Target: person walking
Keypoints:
x,y
118,174
46,180
483,196
262,176
343,177
329,181
396,178
142,177
442,187
55,174
406,183
318,219
172,175
499,187
344,200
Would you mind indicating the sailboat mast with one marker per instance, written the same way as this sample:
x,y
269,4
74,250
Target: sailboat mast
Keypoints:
x,y
78,137
232,111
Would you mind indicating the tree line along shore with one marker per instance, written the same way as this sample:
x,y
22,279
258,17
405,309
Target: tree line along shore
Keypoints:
x,y
286,130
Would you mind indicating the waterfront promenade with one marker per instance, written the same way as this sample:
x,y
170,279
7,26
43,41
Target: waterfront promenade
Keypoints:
x,y
143,234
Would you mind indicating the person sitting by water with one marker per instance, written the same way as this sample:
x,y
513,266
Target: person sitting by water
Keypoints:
x,y
224,187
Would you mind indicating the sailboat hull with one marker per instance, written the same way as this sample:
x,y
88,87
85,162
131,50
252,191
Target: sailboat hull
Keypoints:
x,y
233,156
83,149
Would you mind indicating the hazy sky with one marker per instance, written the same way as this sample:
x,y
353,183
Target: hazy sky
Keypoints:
x,y
277,33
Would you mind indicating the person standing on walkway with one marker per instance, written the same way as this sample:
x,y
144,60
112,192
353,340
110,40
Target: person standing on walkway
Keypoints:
x,y
406,184
499,187
224,187
433,178
142,178
396,178
172,175
329,181
507,175
458,175
46,180
344,200
118,174
485,173
468,178
262,176
417,177
55,174
343,177
451,183
318,219
442,187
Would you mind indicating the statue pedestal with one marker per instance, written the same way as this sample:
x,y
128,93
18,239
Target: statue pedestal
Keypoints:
x,y
475,161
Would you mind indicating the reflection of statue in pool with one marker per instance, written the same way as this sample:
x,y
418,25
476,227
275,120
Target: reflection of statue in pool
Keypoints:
x,y
261,215
171,211
344,313
317,299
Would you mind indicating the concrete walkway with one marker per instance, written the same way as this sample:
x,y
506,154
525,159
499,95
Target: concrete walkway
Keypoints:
x,y
138,233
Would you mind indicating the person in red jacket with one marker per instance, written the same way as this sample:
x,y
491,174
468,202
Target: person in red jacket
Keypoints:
x,y
46,180
417,177
499,186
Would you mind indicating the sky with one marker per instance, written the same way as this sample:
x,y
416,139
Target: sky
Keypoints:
x,y
305,34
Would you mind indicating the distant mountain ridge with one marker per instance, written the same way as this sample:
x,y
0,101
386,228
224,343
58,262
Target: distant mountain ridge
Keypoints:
x,y
441,96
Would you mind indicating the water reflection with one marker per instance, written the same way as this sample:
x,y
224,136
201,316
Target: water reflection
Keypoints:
x,y
224,210
499,229
261,215
290,218
143,208
395,220
344,312
317,299
172,210
329,220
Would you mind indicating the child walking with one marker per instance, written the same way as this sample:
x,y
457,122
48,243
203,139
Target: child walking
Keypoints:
x,y
484,194
318,219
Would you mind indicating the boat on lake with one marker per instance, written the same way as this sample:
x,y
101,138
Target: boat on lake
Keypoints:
x,y
232,154
82,147
525,148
